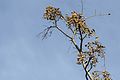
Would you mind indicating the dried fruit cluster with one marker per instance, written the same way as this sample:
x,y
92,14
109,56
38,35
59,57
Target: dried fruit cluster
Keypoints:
x,y
77,20
81,58
94,50
98,75
52,13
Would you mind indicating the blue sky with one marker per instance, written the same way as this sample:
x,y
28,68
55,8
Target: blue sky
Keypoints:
x,y
23,56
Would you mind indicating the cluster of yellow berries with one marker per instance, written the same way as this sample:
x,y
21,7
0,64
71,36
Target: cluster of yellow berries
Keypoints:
x,y
80,58
95,47
77,20
94,61
51,13
106,75
98,75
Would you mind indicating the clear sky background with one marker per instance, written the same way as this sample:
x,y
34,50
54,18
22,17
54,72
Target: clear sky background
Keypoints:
x,y
23,56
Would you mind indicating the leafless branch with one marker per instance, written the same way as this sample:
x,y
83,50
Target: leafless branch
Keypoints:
x,y
84,36
66,23
88,62
87,73
45,32
74,43
71,39
81,39
91,65
58,28
95,15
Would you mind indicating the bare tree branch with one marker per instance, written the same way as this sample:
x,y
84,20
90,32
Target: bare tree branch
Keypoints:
x,y
87,72
74,43
91,65
45,32
84,36
66,23
61,30
71,39
88,62
81,39
97,15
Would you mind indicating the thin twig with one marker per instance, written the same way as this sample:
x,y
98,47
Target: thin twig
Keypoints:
x,y
61,30
71,39
87,72
74,43
45,32
88,62
84,37
91,66
66,23
97,15
81,39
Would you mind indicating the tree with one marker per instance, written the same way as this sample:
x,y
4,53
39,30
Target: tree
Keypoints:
x,y
86,42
